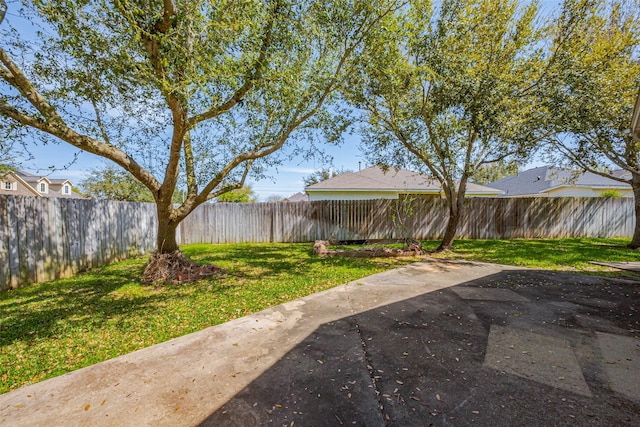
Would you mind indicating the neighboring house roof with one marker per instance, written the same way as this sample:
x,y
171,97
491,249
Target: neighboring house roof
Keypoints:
x,y
621,173
401,180
541,180
298,197
30,182
32,179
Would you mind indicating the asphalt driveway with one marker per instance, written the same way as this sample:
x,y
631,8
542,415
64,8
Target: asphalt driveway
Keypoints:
x,y
433,343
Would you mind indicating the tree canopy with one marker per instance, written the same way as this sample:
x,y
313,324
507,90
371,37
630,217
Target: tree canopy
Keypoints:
x,y
592,88
274,198
452,89
199,94
239,195
111,183
494,171
322,175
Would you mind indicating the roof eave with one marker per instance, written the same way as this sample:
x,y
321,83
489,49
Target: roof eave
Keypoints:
x,y
61,182
359,190
620,186
25,183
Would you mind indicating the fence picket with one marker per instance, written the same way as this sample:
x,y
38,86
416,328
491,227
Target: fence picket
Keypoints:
x,y
44,239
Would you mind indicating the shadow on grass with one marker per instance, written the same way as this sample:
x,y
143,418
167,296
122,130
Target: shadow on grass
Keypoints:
x,y
253,261
36,311
85,302
52,328
109,307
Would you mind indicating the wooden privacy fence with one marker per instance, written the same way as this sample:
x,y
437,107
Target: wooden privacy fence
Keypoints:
x,y
46,238
419,218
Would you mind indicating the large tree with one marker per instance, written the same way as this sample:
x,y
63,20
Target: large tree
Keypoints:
x,y
454,91
592,89
201,92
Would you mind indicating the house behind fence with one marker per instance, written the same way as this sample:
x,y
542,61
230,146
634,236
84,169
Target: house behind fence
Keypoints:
x,y
44,239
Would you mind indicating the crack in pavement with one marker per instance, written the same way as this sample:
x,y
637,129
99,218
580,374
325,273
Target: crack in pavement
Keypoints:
x,y
372,376
367,360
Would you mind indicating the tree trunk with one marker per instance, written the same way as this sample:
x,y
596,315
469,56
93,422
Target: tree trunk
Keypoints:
x,y
167,263
635,184
450,231
166,241
455,200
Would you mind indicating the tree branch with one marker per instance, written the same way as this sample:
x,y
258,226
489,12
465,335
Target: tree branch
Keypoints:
x,y
579,161
192,187
52,123
169,13
18,80
103,131
250,80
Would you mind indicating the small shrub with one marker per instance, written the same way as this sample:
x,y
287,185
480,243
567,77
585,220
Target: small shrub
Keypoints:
x,y
610,194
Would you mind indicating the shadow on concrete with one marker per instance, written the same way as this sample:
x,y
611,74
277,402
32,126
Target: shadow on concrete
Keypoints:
x,y
514,348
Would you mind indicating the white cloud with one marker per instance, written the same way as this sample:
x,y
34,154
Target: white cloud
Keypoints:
x,y
71,174
290,169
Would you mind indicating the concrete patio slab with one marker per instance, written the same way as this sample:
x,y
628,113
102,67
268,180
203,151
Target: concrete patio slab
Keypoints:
x,y
489,294
621,361
629,266
545,359
402,348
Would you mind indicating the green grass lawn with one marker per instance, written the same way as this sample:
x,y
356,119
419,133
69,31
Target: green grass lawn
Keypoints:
x,y
53,328
548,254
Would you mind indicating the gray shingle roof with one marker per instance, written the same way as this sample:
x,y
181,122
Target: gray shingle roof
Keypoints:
x,y
55,184
298,197
26,176
542,179
375,178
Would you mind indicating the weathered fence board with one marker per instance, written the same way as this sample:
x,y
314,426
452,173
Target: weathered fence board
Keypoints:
x,y
47,238
419,218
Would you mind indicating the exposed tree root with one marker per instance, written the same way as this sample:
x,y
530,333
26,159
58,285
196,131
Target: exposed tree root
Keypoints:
x,y
174,267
